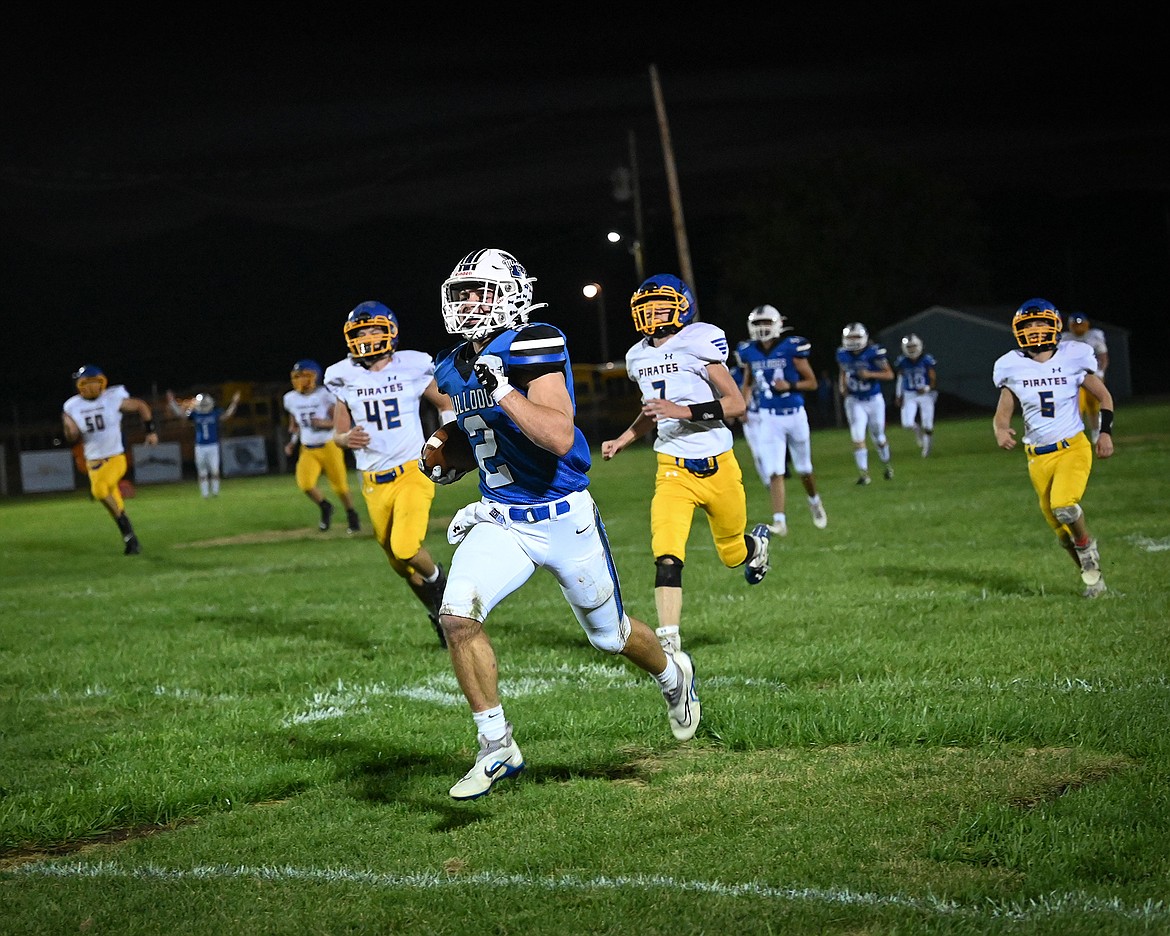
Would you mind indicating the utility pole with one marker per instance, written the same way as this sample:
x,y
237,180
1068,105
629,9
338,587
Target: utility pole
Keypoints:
x,y
676,211
639,235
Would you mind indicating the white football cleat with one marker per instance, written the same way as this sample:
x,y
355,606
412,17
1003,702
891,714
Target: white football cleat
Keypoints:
x,y
820,518
682,705
495,761
1090,560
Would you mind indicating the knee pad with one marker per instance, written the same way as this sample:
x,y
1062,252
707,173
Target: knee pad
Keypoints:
x,y
600,629
1067,515
668,572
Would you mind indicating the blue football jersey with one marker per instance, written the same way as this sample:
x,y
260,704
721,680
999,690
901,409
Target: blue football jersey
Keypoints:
x,y
206,426
913,375
871,357
512,468
779,362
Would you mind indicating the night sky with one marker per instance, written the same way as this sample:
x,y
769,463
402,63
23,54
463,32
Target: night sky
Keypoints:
x,y
185,212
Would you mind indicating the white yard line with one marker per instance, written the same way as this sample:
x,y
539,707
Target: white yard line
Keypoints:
x,y
1019,911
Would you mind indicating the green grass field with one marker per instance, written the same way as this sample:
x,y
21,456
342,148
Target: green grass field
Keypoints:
x,y
915,724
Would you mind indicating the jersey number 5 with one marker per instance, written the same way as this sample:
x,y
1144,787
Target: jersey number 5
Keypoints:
x,y
1047,407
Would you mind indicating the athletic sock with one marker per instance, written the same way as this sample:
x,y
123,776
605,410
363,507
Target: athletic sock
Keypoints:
x,y
668,678
491,724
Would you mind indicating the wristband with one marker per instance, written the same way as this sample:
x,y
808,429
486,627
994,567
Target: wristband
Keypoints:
x,y
712,409
295,437
1107,421
149,424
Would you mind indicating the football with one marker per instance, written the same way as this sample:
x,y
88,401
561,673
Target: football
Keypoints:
x,y
447,455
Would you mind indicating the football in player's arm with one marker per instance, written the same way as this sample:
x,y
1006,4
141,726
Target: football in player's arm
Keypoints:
x,y
511,383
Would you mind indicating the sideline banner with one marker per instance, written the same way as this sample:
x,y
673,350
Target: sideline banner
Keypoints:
x,y
157,463
243,455
51,470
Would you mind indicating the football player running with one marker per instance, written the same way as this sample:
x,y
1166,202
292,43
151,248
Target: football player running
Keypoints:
x,y
309,405
378,389
1045,376
861,366
1080,329
774,371
914,392
511,383
680,365
94,416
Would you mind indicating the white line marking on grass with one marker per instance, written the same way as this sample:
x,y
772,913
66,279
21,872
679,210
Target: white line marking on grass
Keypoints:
x,y
1149,545
442,689
1018,911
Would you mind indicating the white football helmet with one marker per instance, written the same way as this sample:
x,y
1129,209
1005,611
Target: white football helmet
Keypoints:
x,y
765,323
854,336
912,347
204,402
504,289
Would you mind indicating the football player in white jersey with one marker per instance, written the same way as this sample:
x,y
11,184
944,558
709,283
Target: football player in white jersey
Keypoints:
x,y
511,382
1045,377
378,390
1080,329
94,415
309,405
680,365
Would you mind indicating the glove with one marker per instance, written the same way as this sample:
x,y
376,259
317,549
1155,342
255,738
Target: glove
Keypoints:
x,y
489,371
465,518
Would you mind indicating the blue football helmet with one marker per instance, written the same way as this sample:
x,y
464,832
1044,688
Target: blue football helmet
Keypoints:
x,y
1037,325
662,293
366,349
306,376
90,381
1078,324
